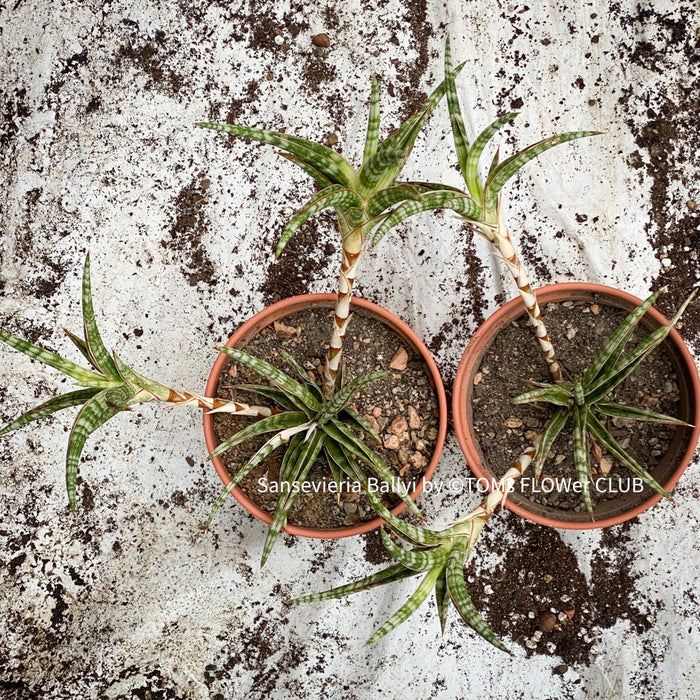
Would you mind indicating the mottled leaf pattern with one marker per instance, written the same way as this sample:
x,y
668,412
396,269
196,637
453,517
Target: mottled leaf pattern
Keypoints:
x,y
372,138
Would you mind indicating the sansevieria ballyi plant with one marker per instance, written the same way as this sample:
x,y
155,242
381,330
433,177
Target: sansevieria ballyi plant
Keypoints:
x,y
363,199
584,403
480,205
107,389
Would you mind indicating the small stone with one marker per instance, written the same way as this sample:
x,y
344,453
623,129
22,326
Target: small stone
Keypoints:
x,y
419,445
605,465
279,40
478,378
372,420
377,412
404,454
322,41
398,426
418,460
350,507
597,453
666,262
595,309
283,329
233,371
414,420
399,361
548,622
331,139
547,578
513,422
530,434
570,613
320,369
530,644
392,442
570,333
560,670
690,203
562,616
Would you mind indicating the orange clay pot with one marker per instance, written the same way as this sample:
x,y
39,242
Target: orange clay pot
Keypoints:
x,y
285,308
666,472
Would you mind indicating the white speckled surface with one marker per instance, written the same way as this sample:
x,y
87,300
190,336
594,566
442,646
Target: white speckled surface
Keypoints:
x,y
128,598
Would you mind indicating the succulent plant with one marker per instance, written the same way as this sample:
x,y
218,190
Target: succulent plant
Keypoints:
x,y
309,425
363,199
109,388
583,402
480,205
439,554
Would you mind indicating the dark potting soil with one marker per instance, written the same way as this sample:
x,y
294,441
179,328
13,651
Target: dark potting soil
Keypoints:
x,y
369,346
578,330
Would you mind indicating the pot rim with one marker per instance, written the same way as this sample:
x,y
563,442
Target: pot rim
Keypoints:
x,y
279,310
467,366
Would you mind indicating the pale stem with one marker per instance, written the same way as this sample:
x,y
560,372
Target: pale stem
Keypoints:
x,y
214,405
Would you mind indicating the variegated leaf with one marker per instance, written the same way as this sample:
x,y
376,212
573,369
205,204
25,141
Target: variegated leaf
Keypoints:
x,y
83,376
610,408
280,421
599,432
306,459
386,198
276,395
333,196
409,607
323,159
581,463
554,426
276,376
454,576
372,138
380,171
363,423
319,178
510,166
96,411
80,344
345,395
95,347
549,394
416,559
302,374
471,172
442,600
58,403
445,199
395,572
613,347
459,133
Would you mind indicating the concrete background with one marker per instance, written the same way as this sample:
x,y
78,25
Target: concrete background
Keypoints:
x,y
128,598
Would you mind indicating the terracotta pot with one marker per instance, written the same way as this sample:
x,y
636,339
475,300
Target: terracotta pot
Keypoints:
x,y
285,308
667,471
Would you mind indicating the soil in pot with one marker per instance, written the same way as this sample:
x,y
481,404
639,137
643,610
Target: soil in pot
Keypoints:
x,y
578,329
403,406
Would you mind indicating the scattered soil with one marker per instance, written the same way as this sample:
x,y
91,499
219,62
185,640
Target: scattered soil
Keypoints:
x,y
369,346
503,428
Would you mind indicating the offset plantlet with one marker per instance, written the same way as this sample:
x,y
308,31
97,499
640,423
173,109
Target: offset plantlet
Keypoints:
x,y
363,199
109,388
583,405
480,205
308,425
439,555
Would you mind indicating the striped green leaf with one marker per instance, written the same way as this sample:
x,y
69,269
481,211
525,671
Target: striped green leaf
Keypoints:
x,y
613,347
276,395
58,403
442,600
552,393
624,367
319,178
96,411
583,470
454,576
306,459
321,158
346,394
373,460
344,461
80,344
554,426
416,559
380,171
333,196
386,198
610,408
276,376
372,138
95,347
409,607
459,133
599,432
83,376
267,449
471,172
362,423
509,167
138,381
444,199
395,572
280,421
303,375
